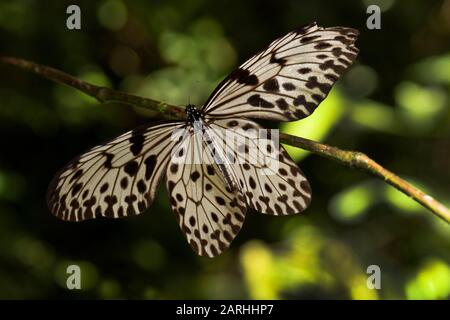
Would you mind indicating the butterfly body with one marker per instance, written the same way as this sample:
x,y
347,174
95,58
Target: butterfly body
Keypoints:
x,y
192,114
211,160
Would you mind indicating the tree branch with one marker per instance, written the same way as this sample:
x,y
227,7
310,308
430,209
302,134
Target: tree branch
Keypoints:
x,y
352,159
356,159
102,94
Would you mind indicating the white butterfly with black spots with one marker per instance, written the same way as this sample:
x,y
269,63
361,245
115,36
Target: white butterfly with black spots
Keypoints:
x,y
286,82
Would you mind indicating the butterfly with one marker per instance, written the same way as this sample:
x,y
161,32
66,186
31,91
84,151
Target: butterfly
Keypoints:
x,y
210,197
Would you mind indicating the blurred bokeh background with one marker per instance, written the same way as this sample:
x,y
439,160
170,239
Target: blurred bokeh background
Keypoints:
x,y
393,104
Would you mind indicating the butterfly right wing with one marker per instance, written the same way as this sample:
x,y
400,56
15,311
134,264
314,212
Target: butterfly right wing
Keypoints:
x,y
270,180
289,79
116,179
209,214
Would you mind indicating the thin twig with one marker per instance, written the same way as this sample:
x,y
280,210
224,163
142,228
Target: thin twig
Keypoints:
x,y
356,159
352,159
102,94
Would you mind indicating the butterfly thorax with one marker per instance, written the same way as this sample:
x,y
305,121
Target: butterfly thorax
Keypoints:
x,y
192,114
194,118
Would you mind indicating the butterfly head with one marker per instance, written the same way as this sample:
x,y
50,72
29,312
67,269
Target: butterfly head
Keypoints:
x,y
192,113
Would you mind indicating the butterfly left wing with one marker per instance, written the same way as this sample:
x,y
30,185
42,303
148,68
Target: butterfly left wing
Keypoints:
x,y
289,79
116,179
271,182
209,214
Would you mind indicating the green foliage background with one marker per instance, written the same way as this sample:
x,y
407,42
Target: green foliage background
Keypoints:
x,y
393,105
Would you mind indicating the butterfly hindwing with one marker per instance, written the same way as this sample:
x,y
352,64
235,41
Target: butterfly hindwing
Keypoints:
x,y
289,79
116,179
271,182
209,214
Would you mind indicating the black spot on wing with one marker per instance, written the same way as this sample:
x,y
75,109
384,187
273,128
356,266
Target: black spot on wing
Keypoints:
x,y
279,61
288,86
220,201
150,163
124,183
141,186
282,104
329,64
104,187
313,83
308,39
256,101
271,85
173,168
137,142
301,101
210,170
108,161
305,28
77,174
110,202
322,45
131,168
304,70
243,76
232,123
195,175
76,188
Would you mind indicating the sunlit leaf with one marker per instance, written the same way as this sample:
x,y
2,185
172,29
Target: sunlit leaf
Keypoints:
x,y
149,255
375,116
257,263
112,14
350,204
15,17
420,106
361,80
434,69
109,289
432,281
359,289
33,253
308,259
11,185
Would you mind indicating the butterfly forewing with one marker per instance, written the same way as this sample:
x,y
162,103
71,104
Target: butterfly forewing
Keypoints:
x,y
208,212
116,179
289,79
